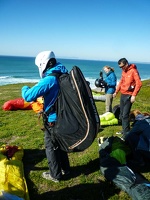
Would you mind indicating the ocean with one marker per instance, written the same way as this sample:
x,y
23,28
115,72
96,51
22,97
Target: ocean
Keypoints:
x,y
14,69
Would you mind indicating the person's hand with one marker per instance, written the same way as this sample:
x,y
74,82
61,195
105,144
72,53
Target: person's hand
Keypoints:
x,y
132,99
114,95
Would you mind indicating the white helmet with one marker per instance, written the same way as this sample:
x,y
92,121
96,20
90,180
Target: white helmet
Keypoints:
x,y
42,59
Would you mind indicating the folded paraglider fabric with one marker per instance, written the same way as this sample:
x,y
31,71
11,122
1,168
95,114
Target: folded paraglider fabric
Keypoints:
x,y
108,118
21,104
12,179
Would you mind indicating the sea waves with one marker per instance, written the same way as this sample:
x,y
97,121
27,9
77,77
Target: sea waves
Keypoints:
x,y
22,69
5,80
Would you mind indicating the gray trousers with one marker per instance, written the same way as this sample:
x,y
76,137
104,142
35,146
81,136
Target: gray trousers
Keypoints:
x,y
108,102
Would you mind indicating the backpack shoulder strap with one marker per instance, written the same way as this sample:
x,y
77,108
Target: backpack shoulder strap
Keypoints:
x,y
55,74
52,107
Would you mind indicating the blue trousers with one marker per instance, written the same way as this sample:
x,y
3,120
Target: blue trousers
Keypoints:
x,y
57,159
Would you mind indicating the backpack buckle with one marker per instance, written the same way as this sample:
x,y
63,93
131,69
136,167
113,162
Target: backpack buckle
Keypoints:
x,y
51,124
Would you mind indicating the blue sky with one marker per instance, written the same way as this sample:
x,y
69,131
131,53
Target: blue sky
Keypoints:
x,y
84,29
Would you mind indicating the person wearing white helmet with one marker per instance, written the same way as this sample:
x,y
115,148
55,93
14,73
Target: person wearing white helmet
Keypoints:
x,y
48,87
42,59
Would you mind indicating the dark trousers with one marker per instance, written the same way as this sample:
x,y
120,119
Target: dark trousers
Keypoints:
x,y
132,139
57,159
125,107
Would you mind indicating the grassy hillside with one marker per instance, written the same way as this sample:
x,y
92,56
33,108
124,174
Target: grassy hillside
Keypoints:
x,y
86,182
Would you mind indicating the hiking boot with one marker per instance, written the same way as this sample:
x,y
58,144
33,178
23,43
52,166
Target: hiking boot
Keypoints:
x,y
47,176
65,172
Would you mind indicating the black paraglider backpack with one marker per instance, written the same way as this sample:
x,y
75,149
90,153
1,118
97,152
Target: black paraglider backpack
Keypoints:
x,y
78,121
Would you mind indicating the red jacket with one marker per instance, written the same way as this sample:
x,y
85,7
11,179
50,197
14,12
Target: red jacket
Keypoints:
x,y
130,82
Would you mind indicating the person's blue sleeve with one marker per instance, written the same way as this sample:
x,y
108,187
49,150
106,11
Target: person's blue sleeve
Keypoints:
x,y
31,94
24,90
38,90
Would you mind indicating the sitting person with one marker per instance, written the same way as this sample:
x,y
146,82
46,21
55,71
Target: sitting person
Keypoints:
x,y
139,136
136,114
113,155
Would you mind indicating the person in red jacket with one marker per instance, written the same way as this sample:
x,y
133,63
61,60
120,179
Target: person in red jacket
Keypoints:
x,y
129,86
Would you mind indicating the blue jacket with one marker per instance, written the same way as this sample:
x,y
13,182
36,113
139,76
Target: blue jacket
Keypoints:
x,y
48,87
111,80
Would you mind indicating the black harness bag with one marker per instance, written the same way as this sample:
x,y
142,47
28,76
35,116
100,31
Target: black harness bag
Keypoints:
x,y
78,121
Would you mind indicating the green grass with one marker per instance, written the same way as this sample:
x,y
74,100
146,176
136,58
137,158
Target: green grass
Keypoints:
x,y
86,182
